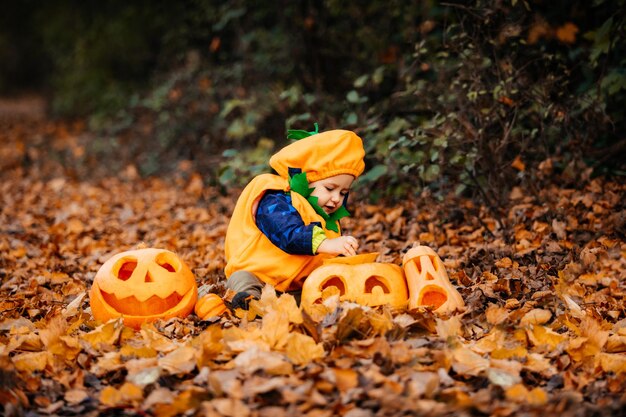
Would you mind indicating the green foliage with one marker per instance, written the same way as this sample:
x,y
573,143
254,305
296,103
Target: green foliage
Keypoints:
x,y
448,98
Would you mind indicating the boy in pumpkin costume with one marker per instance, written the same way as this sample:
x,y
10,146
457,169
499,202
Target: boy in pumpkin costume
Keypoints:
x,y
284,226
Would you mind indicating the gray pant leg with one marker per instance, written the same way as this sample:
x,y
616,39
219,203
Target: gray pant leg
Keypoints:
x,y
245,281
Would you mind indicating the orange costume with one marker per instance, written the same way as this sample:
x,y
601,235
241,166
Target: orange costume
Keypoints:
x,y
320,156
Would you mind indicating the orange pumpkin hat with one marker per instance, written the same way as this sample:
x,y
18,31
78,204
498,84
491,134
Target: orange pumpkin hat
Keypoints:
x,y
322,155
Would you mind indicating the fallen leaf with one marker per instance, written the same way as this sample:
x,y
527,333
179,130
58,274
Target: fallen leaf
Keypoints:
x,y
496,314
179,361
254,359
275,329
466,362
75,396
302,349
536,316
31,361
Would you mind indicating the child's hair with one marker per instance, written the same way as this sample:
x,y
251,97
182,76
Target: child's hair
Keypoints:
x,y
322,155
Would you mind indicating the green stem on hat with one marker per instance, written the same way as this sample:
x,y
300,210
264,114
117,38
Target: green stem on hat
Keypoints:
x,y
300,185
301,134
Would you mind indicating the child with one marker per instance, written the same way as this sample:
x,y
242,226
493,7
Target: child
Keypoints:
x,y
284,226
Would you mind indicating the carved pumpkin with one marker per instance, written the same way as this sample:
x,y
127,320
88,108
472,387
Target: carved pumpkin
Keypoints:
x,y
370,283
428,281
210,305
143,285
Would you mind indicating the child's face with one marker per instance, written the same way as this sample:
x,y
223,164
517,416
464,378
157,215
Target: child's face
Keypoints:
x,y
331,191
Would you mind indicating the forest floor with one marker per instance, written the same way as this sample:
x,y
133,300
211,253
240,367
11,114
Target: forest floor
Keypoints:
x,y
543,331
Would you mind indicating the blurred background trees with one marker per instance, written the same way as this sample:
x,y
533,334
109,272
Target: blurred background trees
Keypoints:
x,y
472,97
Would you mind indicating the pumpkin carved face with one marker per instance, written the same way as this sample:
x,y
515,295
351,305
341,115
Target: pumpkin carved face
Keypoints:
x,y
428,281
371,283
143,285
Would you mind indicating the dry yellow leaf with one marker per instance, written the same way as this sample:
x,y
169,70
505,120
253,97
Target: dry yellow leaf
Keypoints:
x,y
302,349
179,361
138,351
496,314
156,340
502,377
537,396
616,343
110,397
275,329
255,358
286,303
536,316
520,394
345,379
107,334
109,362
131,392
450,328
31,361
516,351
240,340
56,328
491,342
612,362
466,362
540,364
592,341
210,343
504,263
127,394
381,322
75,396
67,346
30,342
541,335
517,393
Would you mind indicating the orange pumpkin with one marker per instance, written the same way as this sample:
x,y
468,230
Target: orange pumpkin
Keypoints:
x,y
143,285
368,283
210,305
428,281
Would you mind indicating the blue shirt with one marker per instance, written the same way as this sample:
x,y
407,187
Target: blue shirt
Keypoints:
x,y
279,220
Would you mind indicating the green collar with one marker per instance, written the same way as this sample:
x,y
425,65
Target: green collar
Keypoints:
x,y
300,185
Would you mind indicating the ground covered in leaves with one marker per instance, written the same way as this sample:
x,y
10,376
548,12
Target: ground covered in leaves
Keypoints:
x,y
544,332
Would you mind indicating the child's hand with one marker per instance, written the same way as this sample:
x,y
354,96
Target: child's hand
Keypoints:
x,y
344,245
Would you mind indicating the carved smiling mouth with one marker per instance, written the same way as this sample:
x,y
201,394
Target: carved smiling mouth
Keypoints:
x,y
132,306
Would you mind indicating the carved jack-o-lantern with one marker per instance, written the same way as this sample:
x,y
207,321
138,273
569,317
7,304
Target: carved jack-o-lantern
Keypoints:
x,y
143,285
370,283
428,281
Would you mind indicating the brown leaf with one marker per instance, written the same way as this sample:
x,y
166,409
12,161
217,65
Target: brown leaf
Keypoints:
x,y
302,349
536,316
496,314
179,361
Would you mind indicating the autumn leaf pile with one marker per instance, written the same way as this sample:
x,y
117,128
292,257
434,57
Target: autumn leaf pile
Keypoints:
x,y
544,281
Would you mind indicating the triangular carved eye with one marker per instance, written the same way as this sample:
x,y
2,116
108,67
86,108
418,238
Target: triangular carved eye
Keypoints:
x,y
167,266
168,262
125,269
433,262
375,281
418,265
334,281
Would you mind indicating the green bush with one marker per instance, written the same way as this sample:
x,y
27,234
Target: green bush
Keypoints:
x,y
466,96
